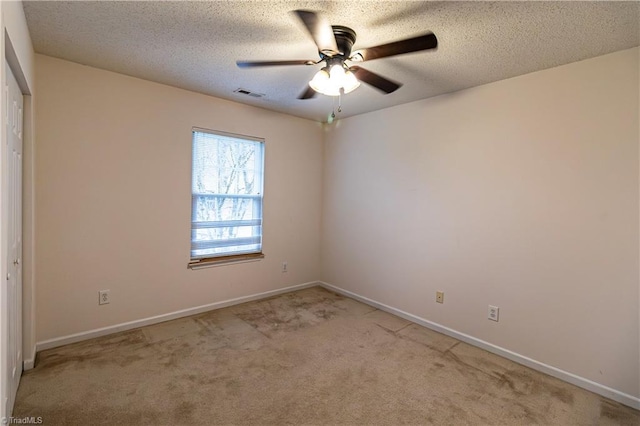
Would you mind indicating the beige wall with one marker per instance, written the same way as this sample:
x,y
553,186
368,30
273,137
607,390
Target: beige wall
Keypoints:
x,y
521,194
113,195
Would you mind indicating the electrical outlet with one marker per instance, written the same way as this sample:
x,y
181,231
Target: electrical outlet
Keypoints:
x,y
440,296
494,313
284,266
104,297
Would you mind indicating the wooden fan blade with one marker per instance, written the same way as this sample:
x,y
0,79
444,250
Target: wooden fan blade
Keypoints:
x,y
250,64
415,44
379,82
307,94
320,30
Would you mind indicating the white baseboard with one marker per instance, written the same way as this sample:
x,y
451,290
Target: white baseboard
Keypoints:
x,y
587,384
90,334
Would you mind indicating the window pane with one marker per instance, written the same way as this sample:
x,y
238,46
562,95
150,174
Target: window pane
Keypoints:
x,y
227,195
222,166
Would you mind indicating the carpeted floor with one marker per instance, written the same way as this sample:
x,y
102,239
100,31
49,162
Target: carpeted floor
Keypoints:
x,y
308,357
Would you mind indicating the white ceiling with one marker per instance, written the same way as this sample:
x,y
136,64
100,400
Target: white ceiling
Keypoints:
x,y
194,45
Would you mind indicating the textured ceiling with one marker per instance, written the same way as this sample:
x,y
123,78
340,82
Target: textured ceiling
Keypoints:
x,y
194,45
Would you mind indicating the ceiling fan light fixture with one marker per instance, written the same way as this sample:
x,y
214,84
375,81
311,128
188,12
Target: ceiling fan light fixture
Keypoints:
x,y
332,81
351,83
337,73
321,82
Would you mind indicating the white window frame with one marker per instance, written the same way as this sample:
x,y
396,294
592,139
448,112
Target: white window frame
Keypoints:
x,y
237,256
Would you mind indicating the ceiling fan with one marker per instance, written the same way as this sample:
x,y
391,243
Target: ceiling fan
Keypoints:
x,y
334,47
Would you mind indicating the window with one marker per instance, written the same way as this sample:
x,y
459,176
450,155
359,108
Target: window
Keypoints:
x,y
226,197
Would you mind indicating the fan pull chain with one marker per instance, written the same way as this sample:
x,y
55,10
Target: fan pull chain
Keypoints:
x,y
332,116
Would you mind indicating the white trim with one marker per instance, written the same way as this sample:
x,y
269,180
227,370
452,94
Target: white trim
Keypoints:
x,y
28,364
90,334
215,263
587,384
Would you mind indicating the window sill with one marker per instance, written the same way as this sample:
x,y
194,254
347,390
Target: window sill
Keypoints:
x,y
224,260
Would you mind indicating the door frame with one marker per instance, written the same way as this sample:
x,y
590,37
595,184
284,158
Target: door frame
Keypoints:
x,y
8,13
12,306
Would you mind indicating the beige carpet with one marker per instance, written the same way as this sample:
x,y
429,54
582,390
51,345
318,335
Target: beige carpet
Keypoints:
x,y
309,357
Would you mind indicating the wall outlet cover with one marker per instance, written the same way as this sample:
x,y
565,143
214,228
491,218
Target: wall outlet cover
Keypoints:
x,y
104,297
494,313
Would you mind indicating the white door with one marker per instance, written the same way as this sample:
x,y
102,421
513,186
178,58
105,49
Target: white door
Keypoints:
x,y
12,319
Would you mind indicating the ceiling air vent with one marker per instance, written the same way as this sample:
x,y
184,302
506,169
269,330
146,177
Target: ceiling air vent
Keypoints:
x,y
249,93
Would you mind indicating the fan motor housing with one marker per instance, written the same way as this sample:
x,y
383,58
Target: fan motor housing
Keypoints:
x,y
345,38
